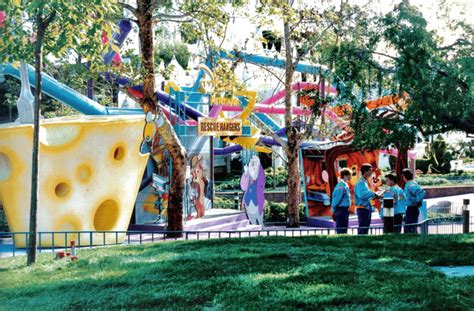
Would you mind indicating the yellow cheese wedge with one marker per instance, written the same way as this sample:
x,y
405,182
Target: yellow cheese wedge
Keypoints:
x,y
90,171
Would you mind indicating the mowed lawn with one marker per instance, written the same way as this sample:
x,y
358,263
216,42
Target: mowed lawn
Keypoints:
x,y
387,272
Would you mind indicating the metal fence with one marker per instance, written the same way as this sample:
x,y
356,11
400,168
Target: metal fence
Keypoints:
x,y
59,240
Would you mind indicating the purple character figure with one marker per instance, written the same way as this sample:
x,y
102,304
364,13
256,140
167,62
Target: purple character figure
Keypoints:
x,y
253,185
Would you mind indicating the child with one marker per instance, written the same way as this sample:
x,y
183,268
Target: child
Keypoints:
x,y
415,195
341,201
399,201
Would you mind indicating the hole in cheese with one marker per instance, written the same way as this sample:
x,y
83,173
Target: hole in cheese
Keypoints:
x,y
61,190
119,153
106,216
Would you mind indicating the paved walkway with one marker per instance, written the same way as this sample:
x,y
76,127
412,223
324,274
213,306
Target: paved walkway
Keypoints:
x,y
456,271
456,202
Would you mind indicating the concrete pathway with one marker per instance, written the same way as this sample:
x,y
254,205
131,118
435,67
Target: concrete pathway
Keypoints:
x,y
459,271
456,201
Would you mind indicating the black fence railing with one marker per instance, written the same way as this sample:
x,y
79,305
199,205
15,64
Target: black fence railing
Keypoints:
x,y
14,243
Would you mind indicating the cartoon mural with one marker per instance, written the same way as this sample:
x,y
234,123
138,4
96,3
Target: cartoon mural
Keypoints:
x,y
317,175
198,189
151,205
376,183
253,185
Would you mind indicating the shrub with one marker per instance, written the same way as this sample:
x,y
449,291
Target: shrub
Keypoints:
x,y
278,211
224,202
233,184
422,165
440,156
431,181
166,51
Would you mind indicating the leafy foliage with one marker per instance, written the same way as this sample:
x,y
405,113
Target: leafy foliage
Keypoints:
x,y
166,51
440,156
75,29
438,79
277,212
233,182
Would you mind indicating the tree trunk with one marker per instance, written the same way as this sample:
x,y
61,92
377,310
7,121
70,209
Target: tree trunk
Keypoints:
x,y
31,258
401,163
145,33
171,141
294,189
178,159
294,181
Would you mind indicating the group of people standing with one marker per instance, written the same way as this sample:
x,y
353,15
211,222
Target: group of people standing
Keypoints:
x,y
406,201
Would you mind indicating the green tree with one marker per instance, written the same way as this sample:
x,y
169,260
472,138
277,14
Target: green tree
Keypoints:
x,y
307,32
206,14
35,29
9,92
166,51
435,80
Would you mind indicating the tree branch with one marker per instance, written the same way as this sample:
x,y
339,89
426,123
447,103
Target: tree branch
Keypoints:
x,y
383,54
155,20
269,71
50,18
130,8
225,34
163,16
459,41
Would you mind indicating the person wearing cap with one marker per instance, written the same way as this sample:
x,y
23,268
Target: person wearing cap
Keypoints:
x,y
415,195
399,201
341,201
362,197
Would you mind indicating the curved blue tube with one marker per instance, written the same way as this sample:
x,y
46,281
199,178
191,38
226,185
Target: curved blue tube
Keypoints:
x,y
58,91
163,97
302,67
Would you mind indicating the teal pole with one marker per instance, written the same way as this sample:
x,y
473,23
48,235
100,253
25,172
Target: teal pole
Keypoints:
x,y
300,155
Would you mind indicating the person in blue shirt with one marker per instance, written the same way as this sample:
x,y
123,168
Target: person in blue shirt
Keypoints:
x,y
415,195
399,201
362,197
341,201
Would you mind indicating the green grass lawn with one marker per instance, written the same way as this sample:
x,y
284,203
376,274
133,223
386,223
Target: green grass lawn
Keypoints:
x,y
387,272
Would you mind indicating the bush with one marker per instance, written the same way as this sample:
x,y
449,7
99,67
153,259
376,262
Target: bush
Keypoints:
x,y
455,178
422,165
278,211
440,156
432,181
166,51
233,184
224,202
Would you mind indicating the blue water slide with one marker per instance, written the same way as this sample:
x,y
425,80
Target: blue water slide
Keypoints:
x,y
163,97
267,121
302,67
58,91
